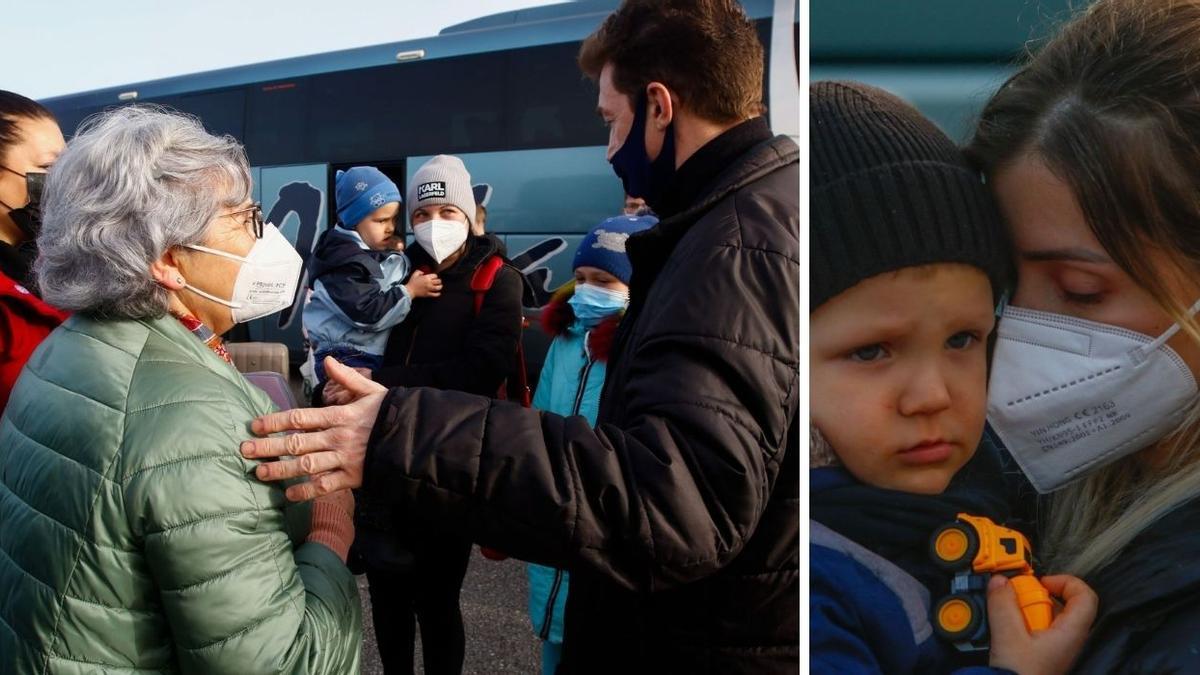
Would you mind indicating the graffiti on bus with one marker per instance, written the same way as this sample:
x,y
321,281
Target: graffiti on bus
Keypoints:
x,y
304,200
538,275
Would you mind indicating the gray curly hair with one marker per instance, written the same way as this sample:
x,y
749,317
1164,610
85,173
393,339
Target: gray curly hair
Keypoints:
x,y
131,184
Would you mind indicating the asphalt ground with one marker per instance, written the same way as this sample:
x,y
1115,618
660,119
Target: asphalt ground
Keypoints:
x,y
499,639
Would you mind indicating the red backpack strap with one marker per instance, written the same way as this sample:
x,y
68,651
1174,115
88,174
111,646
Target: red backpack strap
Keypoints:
x,y
484,277
481,283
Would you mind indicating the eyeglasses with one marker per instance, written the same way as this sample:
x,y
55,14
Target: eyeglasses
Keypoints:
x,y
253,217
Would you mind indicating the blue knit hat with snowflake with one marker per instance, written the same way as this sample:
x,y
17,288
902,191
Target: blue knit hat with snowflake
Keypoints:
x,y
604,246
361,190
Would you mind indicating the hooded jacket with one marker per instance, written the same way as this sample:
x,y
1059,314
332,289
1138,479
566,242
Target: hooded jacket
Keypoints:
x,y
358,294
133,535
677,515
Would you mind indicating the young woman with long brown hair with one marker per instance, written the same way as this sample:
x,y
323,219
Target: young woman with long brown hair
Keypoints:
x,y
1093,151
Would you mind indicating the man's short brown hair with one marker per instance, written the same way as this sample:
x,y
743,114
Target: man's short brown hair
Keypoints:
x,y
705,51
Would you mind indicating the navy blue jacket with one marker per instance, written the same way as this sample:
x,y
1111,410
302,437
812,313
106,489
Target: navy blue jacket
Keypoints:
x,y
358,294
867,614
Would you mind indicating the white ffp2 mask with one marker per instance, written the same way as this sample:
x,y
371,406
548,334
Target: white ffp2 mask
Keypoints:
x,y
440,238
266,282
1068,396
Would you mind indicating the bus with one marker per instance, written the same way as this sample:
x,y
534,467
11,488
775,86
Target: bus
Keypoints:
x,y
503,92
946,57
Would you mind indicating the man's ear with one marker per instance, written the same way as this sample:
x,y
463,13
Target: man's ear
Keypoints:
x,y
662,106
659,116
165,272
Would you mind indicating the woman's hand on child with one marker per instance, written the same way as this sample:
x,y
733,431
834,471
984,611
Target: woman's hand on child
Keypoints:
x,y
1046,652
422,285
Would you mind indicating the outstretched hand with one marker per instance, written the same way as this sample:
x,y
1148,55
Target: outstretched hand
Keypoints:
x,y
333,444
1046,652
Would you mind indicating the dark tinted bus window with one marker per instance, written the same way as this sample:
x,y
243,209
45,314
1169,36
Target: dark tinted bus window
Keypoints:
x,y
276,122
69,119
444,105
221,112
550,102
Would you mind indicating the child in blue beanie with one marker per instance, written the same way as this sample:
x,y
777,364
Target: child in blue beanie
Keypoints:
x,y
582,317
359,275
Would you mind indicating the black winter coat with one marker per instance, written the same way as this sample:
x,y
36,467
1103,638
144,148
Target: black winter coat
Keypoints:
x,y
677,516
442,343
1149,619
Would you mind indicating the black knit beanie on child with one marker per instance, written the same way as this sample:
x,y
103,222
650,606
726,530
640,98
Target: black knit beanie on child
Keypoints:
x,y
889,190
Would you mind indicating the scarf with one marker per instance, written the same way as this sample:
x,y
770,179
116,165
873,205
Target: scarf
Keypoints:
x,y
205,335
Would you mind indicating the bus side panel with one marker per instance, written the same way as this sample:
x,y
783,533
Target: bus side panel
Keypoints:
x,y
294,200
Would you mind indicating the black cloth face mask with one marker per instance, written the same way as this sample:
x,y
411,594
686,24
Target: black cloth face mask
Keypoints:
x,y
28,217
642,177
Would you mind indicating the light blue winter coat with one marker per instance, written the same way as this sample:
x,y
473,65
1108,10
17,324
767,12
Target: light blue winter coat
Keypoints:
x,y
570,384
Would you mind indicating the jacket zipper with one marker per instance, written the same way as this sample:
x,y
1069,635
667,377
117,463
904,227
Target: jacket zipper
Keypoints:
x,y
549,614
584,373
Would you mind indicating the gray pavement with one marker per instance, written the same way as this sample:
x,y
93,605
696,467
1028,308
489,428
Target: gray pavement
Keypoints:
x,y
499,639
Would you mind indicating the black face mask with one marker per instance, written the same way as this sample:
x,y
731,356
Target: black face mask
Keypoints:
x,y
650,180
28,217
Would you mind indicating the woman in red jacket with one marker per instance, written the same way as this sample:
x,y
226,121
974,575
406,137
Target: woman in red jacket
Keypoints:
x,y
30,141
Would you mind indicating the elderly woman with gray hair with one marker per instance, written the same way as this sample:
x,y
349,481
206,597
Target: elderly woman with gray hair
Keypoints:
x,y
133,536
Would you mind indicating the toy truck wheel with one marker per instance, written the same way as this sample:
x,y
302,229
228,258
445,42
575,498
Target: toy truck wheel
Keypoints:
x,y
952,547
956,617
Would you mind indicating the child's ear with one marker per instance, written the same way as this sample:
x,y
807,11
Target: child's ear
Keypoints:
x,y
820,452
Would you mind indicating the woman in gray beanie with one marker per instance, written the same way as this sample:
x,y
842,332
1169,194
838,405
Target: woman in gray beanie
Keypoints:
x,y
466,340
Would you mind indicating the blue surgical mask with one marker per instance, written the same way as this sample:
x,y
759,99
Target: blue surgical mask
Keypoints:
x,y
593,304
650,180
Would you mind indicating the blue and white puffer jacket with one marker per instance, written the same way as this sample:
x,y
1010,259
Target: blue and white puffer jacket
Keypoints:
x,y
358,293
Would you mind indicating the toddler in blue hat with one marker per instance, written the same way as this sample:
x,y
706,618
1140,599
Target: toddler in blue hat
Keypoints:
x,y
362,282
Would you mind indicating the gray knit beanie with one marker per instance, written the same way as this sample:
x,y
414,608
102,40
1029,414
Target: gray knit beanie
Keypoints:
x,y
442,180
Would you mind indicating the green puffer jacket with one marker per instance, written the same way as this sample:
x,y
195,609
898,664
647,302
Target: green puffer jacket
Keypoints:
x,y
135,538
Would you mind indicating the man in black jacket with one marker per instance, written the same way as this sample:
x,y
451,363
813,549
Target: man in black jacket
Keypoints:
x,y
678,514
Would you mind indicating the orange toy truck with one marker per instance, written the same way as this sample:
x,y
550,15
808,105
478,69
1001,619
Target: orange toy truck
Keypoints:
x,y
974,548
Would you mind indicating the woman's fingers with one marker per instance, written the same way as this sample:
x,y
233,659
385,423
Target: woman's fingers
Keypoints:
x,y
321,485
335,394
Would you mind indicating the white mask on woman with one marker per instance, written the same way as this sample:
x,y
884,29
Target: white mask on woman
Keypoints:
x,y
1068,396
267,281
440,238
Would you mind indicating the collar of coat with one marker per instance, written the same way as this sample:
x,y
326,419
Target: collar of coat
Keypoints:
x,y
558,317
648,250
